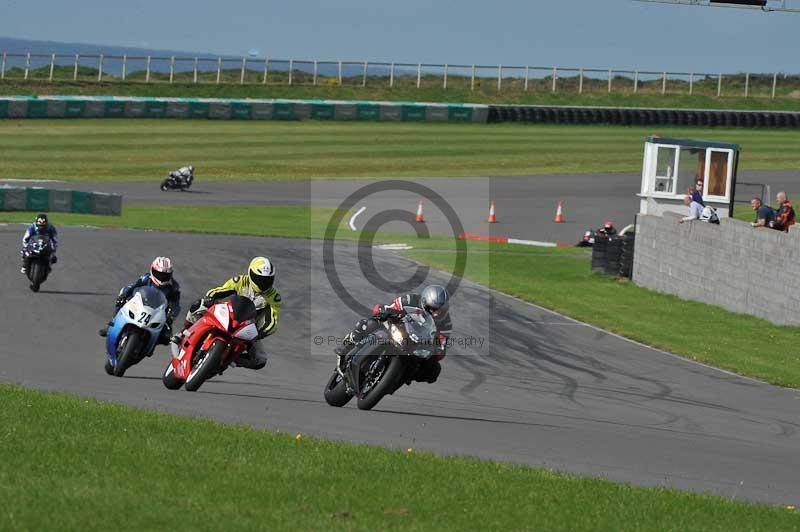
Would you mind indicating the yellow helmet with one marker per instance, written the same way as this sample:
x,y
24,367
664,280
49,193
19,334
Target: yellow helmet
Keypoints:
x,y
262,274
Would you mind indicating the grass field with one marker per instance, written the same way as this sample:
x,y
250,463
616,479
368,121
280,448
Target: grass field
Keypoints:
x,y
75,464
430,92
558,279
131,150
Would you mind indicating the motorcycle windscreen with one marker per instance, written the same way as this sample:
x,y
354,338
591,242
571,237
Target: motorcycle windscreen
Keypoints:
x,y
151,296
243,308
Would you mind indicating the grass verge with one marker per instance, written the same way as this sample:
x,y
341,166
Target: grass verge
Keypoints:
x,y
144,150
72,464
558,279
432,92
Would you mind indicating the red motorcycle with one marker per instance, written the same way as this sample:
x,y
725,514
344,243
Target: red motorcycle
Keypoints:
x,y
224,332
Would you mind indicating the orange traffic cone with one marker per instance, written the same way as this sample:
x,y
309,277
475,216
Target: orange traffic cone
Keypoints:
x,y
492,218
559,219
420,216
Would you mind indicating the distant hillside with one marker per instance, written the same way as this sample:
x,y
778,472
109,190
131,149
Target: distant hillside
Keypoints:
x,y
16,46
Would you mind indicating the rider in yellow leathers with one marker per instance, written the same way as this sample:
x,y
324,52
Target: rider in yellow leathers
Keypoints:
x,y
256,284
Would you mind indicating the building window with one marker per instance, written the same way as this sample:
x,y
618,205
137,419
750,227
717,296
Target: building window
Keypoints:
x,y
665,170
717,174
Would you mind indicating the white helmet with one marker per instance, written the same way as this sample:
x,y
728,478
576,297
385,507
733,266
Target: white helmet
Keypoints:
x,y
262,274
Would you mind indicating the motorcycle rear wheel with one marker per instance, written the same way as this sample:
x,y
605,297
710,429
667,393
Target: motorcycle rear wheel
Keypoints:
x,y
387,384
207,367
126,357
336,393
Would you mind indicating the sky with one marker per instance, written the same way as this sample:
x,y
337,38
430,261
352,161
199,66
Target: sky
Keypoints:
x,y
620,34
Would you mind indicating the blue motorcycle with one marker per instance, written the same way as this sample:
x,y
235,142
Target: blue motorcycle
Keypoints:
x,y
134,332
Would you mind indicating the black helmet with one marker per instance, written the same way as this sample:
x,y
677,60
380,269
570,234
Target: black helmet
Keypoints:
x,y
41,221
435,300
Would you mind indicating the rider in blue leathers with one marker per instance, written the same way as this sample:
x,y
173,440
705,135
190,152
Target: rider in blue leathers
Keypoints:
x,y
160,276
40,226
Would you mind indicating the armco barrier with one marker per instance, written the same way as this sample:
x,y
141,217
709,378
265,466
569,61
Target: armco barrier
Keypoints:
x,y
134,107
52,200
641,117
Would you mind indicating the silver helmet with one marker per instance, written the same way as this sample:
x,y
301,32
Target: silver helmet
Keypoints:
x,y
435,300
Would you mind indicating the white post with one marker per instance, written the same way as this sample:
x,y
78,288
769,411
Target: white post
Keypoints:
x,y
747,84
219,69
291,67
664,84
719,85
691,83
580,81
527,72
100,68
171,67
52,65
244,67
499,77
124,66
636,81
364,79
555,77
472,81
391,76
419,74
315,72
194,71
75,70
445,77
3,67
147,70
266,70
340,73
774,78
27,64
610,78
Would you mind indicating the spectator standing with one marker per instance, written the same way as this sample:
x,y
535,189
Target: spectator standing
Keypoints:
x,y
785,215
765,216
695,209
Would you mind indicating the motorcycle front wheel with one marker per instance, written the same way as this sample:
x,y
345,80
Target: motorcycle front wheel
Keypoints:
x,y
336,393
165,185
207,366
36,275
386,385
127,351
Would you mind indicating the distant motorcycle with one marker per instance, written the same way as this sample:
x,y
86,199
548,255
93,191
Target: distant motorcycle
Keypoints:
x,y
212,343
385,360
134,332
177,181
40,252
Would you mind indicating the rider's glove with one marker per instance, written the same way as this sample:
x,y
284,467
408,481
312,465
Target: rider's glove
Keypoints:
x,y
53,259
120,301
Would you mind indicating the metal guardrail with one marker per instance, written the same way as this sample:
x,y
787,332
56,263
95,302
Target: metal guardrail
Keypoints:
x,y
268,71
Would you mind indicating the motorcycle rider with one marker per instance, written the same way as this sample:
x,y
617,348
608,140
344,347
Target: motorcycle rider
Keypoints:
x,y
434,300
40,226
256,284
161,277
184,173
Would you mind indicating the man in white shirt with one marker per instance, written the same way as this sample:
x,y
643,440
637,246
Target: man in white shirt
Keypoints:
x,y
695,210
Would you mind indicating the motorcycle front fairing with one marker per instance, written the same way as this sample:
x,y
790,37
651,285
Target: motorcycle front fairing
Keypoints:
x,y
146,311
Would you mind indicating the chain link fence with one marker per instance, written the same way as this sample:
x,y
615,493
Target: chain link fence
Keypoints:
x,y
479,78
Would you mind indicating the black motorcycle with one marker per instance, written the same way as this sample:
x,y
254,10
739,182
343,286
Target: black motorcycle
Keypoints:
x,y
39,253
177,182
384,360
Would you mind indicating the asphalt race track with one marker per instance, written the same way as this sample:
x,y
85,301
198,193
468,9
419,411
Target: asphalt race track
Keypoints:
x,y
525,204
542,390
